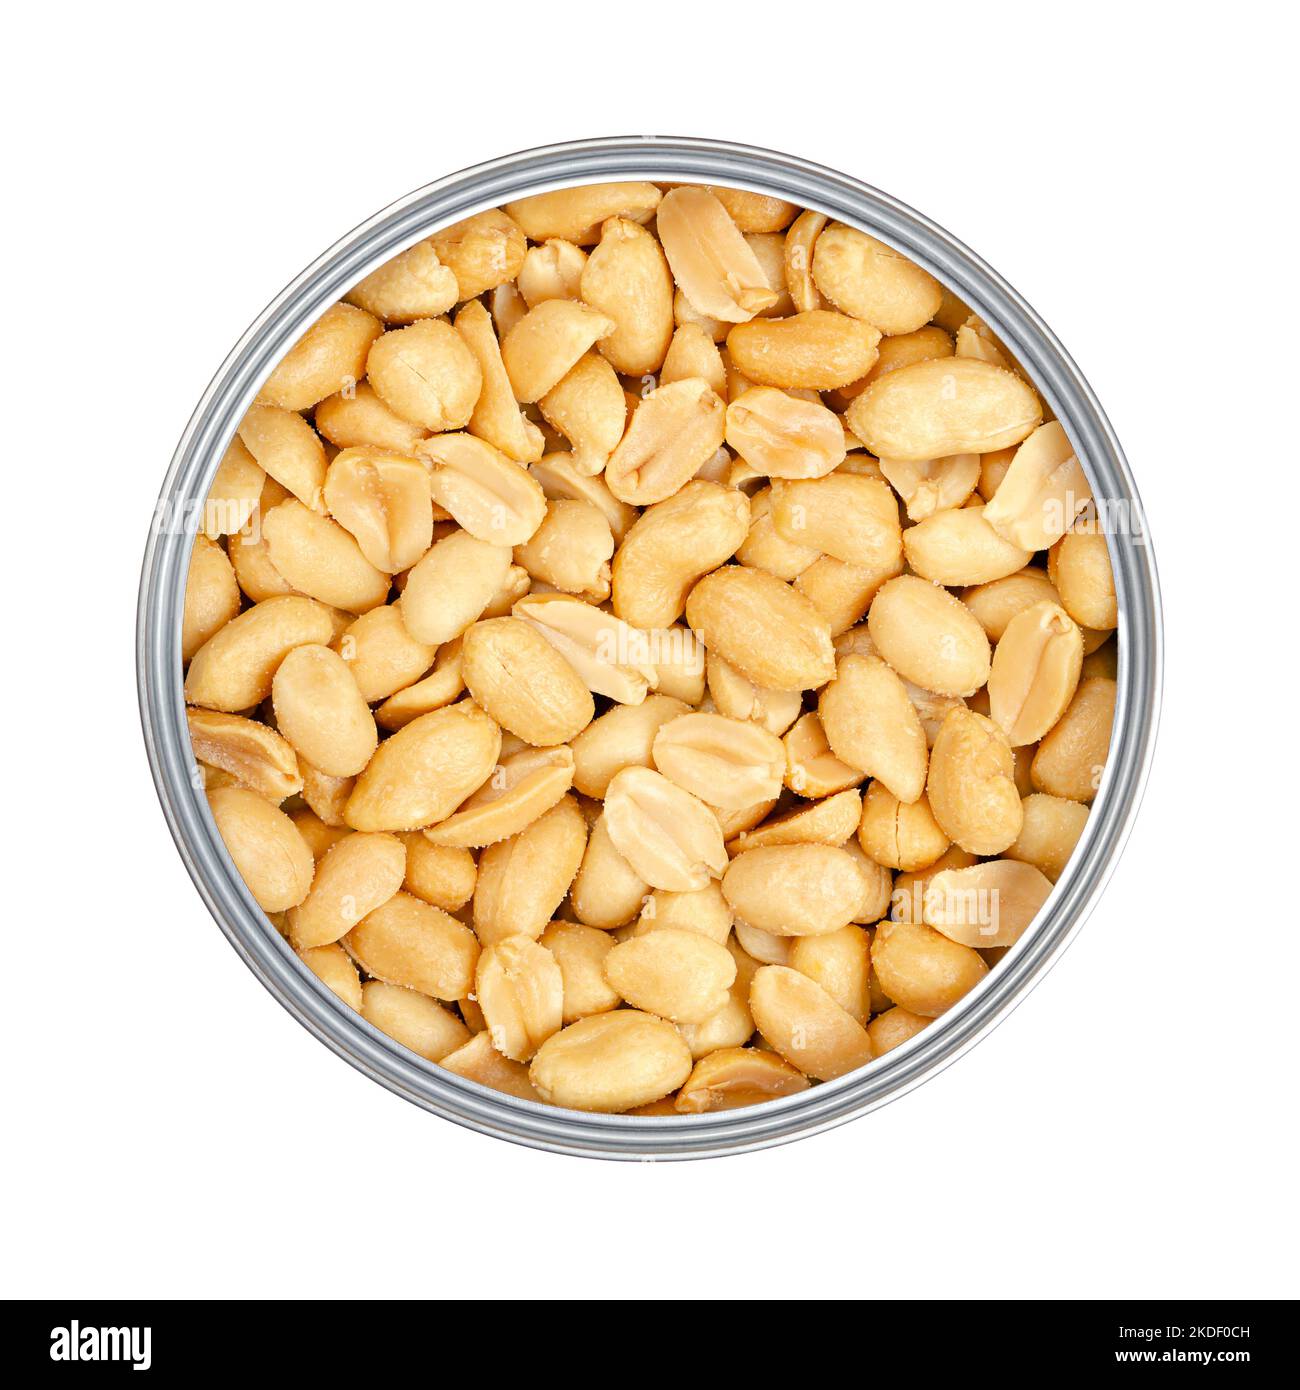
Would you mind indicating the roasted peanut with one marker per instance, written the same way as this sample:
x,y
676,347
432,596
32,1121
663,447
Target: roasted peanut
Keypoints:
x,y
805,1025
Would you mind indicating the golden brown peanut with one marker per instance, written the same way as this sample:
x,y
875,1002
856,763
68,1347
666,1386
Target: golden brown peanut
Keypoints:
x,y
669,838
330,356
929,637
680,665
541,349
671,546
523,879
901,350
704,911
477,1060
412,1019
783,436
319,709
754,212
681,976
607,892
729,763
872,281
319,836
426,374
232,670
766,549
769,249
737,697
272,857
319,558
606,655
522,787
611,1062
684,312
233,497
287,449
1101,659
627,279
872,725
249,555
842,593
483,251
1051,829
588,407
570,550
971,784
805,1025
800,242
762,627
733,1077
1035,672
332,967
730,1026
520,989
923,970
496,418
811,768
425,770
357,418
580,952
492,497
356,875
383,500
793,890
1072,756
411,943
893,1028
254,755
897,834
929,486
552,271
439,688
816,350
326,796
622,737
560,477
1042,492
519,678
440,874
876,884
577,214
944,406
987,904
994,605
450,586
675,431
413,285
853,519
830,821
958,547
993,468
840,962
761,946
693,352
710,259
381,654
1079,566
907,896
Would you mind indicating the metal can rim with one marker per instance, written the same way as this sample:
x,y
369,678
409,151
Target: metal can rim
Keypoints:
x,y
161,600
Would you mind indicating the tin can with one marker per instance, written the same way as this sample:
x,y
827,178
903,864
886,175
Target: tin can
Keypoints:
x,y
161,603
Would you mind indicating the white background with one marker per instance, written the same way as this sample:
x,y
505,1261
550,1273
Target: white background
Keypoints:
x,y
1129,1131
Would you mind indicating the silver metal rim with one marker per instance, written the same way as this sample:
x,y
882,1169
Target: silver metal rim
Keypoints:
x,y
162,707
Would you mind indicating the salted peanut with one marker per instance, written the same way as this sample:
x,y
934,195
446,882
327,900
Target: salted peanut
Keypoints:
x,y
319,836
729,763
611,1062
852,518
330,356
1035,672
272,857
383,500
547,342
1051,829
944,406
693,352
233,497
602,652
356,418
783,436
907,896
670,838
326,796
684,312
496,417
730,1026
522,787
627,278
319,558
320,710
588,408
450,586
1079,566
520,989
816,350
971,784
766,549
761,947
893,1028
830,821
872,725
414,1020
840,962
800,242
995,604
811,768
679,975
987,904
1072,757
483,251
929,486
929,637
921,969
769,250
333,968
232,670
754,212
413,285
675,431
580,952
411,943
439,874
763,628
355,876
1103,660
876,883
737,697
897,834
958,547
711,261
551,271
901,350
671,546
704,912
607,891
253,754
491,496
426,374
793,890
842,593
478,1061
507,307
805,1025
872,281
993,468
425,770
211,595
732,1077
250,557
381,653
679,663
622,737
577,214
287,449
1042,492
571,549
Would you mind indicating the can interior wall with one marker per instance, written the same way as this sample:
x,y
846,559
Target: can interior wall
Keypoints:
x,y
161,604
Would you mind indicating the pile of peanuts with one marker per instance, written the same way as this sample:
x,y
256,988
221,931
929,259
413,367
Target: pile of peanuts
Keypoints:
x,y
649,650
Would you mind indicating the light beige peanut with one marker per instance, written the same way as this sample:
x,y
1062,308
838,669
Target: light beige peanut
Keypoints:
x,y
272,857
710,259
577,214
381,653
256,756
319,558
693,352
680,665
478,1061
318,835
842,593
1072,756
840,962
898,834
250,556
440,874
611,1062
929,486
552,270
729,763
607,891
923,970
520,989
560,477
319,709
287,449
737,697
872,281
793,890
492,497
994,605
627,279
733,1077
496,418
766,549
673,433
987,904
439,688
769,251
805,1025
414,1020
409,942
929,637
971,785
622,737
944,406
236,489
606,655
761,946
907,896
326,796
670,838
1079,566
1051,829
580,952
420,774
893,1028
357,418
426,374
521,788
544,346
958,547
783,436
233,669
1042,492
828,821
413,285
570,550
811,768
679,975
684,312
1035,672
450,585
901,350
754,212
356,875
872,725
816,350
383,500
482,251
800,242
730,1026
853,519
704,911
877,885
522,880
520,679
332,967
331,355
588,407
